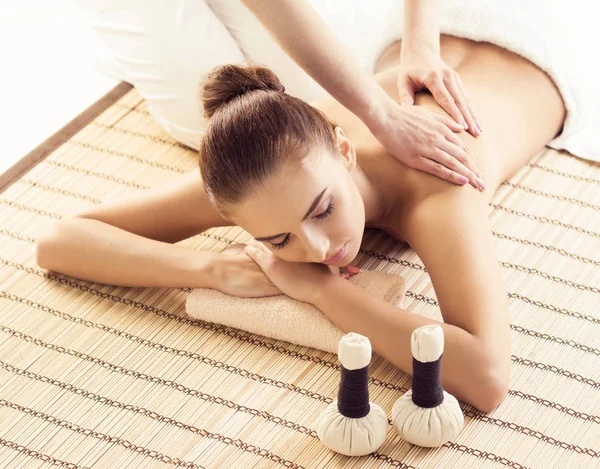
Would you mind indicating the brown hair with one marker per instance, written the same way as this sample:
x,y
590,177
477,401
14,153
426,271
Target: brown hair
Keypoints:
x,y
253,128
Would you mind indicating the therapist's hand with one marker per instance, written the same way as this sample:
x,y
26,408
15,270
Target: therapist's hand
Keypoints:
x,y
424,140
425,69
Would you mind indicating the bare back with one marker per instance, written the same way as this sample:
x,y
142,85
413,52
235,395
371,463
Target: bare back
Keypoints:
x,y
518,103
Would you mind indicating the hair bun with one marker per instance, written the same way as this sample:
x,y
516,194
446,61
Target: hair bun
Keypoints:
x,y
225,82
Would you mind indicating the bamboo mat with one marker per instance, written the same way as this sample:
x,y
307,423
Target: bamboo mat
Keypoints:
x,y
103,376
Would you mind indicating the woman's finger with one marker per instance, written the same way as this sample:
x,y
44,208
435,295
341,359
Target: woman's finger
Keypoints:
x,y
440,171
471,162
450,123
446,101
259,245
462,89
461,102
454,139
406,96
450,162
469,170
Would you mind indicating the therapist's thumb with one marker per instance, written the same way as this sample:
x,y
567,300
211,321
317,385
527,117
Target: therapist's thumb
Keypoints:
x,y
405,95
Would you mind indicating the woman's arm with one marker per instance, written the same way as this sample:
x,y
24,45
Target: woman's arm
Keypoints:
x,y
308,40
130,241
405,131
465,374
421,29
469,287
421,66
98,252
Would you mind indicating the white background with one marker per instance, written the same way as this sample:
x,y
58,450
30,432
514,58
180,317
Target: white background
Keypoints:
x,y
47,73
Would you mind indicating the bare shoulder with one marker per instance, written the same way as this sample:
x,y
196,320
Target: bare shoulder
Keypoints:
x,y
170,212
450,232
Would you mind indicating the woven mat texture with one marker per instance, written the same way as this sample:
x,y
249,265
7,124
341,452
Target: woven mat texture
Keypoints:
x,y
95,375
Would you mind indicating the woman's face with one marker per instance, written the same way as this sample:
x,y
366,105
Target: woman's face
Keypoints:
x,y
309,209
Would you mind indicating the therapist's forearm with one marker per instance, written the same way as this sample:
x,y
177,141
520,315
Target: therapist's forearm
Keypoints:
x,y
421,28
308,40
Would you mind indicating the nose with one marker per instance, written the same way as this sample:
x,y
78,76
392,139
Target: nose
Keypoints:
x,y
318,248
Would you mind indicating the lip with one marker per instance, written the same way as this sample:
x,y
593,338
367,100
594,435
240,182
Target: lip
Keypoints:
x,y
338,255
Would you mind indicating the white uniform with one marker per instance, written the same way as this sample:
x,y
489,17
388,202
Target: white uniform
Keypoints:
x,y
164,48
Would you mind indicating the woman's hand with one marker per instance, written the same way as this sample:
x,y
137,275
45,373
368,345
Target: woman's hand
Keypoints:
x,y
425,140
299,280
425,69
238,275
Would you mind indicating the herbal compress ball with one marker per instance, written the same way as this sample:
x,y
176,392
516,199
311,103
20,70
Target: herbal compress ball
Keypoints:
x,y
427,415
352,425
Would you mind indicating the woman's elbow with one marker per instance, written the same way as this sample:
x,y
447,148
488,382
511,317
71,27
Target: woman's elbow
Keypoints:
x,y
42,252
44,246
494,387
492,394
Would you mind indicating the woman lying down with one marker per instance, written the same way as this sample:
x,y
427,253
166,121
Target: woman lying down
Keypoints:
x,y
305,180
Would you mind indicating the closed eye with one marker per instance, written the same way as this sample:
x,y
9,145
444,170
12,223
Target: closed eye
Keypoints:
x,y
320,216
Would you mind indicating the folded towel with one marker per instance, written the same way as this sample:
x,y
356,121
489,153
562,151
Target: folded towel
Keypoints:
x,y
282,317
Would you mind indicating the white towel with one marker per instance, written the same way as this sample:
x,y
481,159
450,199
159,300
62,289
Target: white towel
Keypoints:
x,y
559,37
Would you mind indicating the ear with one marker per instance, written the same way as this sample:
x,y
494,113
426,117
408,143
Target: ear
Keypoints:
x,y
346,149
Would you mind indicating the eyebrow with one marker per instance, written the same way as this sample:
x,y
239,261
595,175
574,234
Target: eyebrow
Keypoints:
x,y
310,210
